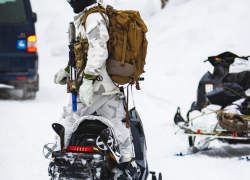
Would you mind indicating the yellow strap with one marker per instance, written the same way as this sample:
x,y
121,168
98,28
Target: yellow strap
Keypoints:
x,y
125,38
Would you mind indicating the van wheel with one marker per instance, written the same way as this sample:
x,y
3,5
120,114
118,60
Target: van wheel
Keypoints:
x,y
28,94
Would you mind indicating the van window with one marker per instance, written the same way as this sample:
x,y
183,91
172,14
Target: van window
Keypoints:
x,y
12,11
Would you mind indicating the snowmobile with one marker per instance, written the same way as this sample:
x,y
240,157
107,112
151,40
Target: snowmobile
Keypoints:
x,y
199,137
93,152
208,82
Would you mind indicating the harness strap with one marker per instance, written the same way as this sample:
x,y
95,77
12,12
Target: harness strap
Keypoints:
x,y
216,127
234,92
136,78
127,115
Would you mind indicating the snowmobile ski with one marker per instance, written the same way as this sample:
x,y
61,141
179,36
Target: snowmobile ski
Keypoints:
x,y
191,153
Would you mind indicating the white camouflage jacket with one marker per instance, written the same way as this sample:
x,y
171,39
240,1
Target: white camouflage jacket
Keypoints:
x,y
98,36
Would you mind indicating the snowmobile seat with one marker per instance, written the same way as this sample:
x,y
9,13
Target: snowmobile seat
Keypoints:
x,y
87,132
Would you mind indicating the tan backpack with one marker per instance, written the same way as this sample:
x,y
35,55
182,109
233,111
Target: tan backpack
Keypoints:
x,y
127,44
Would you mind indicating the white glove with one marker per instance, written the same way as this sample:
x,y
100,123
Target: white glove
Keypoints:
x,y
59,77
86,92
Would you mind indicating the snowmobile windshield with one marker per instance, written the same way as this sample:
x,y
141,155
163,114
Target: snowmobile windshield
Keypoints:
x,y
12,12
224,58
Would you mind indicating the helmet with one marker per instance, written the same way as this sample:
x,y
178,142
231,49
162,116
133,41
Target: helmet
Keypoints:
x,y
79,5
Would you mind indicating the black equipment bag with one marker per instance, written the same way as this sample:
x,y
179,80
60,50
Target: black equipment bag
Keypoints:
x,y
225,94
243,79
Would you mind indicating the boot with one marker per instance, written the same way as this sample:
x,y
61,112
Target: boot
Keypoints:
x,y
130,170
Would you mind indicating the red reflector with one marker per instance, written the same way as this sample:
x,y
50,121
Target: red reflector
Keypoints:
x,y
198,131
31,45
21,78
31,49
80,149
235,134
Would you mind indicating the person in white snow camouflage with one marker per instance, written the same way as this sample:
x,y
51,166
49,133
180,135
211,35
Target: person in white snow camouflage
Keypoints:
x,y
96,96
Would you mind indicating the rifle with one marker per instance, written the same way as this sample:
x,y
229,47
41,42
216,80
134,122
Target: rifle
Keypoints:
x,y
72,80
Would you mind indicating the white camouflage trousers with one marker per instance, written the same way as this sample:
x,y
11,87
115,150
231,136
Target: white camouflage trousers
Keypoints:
x,y
107,106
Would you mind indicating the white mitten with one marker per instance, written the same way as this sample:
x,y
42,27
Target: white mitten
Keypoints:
x,y
86,92
60,77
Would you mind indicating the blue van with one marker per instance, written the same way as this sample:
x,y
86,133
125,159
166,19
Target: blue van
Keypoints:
x,y
18,51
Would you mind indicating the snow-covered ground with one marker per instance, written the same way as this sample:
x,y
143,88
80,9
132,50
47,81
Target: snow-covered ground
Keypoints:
x,y
180,38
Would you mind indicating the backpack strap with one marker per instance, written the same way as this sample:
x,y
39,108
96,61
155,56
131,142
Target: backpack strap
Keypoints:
x,y
99,9
125,38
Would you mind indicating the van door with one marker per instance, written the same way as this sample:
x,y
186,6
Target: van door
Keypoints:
x,y
16,26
